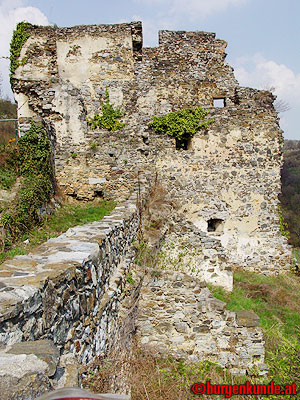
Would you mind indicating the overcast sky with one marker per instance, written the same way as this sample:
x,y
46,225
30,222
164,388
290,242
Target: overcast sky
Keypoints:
x,y
262,35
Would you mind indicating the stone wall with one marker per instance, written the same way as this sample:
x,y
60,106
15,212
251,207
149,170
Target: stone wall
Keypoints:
x,y
222,191
81,295
179,316
72,292
230,174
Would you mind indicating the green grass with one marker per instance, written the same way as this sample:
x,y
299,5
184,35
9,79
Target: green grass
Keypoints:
x,y
16,251
276,300
64,218
7,178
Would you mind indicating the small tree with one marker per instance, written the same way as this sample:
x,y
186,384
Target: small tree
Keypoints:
x,y
279,104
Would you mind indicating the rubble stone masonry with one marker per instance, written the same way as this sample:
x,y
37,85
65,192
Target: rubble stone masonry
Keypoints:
x,y
225,186
228,180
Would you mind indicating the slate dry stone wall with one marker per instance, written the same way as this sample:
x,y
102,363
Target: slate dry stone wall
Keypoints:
x,y
70,290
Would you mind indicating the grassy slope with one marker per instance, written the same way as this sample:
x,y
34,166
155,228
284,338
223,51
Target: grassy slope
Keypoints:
x,y
66,217
290,196
276,300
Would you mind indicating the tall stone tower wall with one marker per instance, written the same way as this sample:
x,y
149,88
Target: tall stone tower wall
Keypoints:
x,y
226,184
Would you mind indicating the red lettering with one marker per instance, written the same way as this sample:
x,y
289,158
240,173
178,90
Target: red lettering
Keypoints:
x,y
249,388
242,389
277,389
288,389
263,389
228,391
270,388
235,389
209,388
255,389
218,389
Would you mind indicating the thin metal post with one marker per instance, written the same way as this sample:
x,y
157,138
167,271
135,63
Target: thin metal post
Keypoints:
x,y
16,128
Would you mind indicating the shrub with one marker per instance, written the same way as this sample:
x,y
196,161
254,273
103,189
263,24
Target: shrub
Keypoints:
x,y
284,228
109,119
181,125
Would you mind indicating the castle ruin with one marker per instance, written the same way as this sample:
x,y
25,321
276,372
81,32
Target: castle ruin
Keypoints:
x,y
225,185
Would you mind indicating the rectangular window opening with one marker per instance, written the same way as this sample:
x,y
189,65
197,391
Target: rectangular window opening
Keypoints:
x,y
220,102
215,225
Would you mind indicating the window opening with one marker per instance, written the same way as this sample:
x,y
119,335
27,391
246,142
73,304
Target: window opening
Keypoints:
x,y
183,144
219,102
215,225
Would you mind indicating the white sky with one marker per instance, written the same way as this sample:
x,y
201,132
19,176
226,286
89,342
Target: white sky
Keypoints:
x,y
262,35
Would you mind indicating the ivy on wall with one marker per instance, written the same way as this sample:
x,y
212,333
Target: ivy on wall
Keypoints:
x,y
20,35
181,125
33,165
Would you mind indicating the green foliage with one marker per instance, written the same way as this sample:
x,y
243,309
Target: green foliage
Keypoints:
x,y
275,299
35,153
20,35
144,256
284,364
33,161
93,145
64,218
290,196
129,278
296,253
34,193
7,178
284,228
16,251
8,164
109,119
181,125
74,155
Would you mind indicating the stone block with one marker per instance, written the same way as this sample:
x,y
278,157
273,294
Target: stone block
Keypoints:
x,y
97,181
247,318
44,350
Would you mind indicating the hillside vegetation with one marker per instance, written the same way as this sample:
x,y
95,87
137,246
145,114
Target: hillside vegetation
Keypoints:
x,y
27,188
290,197
8,110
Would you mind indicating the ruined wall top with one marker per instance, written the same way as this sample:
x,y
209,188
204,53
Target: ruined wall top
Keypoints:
x,y
229,174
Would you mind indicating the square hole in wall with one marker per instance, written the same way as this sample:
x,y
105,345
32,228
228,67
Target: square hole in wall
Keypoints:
x,y
183,144
215,225
219,102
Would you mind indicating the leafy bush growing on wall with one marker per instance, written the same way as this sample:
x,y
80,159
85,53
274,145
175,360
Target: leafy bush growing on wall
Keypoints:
x,y
109,119
181,125
20,35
